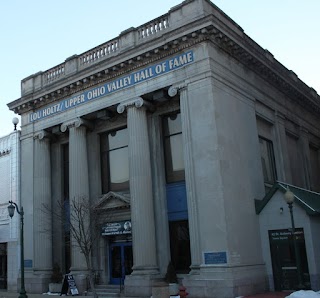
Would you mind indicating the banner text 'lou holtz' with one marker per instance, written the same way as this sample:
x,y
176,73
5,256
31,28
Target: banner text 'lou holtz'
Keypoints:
x,y
113,86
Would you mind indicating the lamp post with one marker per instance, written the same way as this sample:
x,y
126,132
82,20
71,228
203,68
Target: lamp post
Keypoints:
x,y
11,207
15,122
289,198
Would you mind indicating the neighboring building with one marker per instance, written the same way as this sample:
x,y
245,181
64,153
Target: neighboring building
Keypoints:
x,y
277,242
171,130
9,228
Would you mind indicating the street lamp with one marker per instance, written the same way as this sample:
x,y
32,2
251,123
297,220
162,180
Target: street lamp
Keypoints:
x,y
289,198
11,207
15,122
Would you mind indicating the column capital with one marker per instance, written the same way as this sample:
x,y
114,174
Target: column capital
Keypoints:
x,y
40,135
304,131
76,122
280,116
177,88
137,102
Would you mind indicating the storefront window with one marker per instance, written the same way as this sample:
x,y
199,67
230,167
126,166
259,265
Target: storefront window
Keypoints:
x,y
173,148
115,161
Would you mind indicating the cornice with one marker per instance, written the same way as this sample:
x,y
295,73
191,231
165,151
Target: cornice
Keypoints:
x,y
239,46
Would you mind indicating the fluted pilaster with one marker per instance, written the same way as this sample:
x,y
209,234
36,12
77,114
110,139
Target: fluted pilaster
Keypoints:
x,y
42,204
305,149
142,212
78,182
281,152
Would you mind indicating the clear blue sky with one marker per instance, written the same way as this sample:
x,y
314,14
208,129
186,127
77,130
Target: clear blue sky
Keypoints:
x,y
37,34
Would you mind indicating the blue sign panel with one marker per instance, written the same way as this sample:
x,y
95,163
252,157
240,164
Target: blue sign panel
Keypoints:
x,y
116,228
28,263
115,85
214,258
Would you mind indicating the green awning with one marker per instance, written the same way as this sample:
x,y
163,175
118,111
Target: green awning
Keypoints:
x,y
308,200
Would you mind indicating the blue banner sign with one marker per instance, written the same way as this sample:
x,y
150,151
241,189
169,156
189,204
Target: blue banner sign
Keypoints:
x,y
28,263
115,85
214,258
116,228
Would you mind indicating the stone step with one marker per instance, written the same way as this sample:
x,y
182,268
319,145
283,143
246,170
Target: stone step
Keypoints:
x,y
111,291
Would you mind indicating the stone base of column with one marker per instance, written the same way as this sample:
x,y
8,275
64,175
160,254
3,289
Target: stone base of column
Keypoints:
x,y
37,284
81,279
140,285
160,289
227,282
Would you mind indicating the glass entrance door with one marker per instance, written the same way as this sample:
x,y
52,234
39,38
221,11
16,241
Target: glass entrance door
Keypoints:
x,y
3,265
121,262
284,263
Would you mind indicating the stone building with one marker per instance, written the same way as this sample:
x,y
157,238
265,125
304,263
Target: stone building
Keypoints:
x,y
171,132
9,228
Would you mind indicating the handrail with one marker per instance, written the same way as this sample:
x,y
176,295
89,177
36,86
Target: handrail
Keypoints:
x,y
98,52
153,27
54,73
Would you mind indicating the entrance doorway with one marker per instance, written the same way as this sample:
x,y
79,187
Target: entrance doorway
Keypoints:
x,y
121,262
284,263
3,265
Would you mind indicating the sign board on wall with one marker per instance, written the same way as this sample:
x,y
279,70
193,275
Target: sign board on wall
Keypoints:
x,y
285,234
28,263
215,258
131,79
116,228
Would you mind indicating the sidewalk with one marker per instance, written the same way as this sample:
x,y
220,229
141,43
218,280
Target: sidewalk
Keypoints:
x,y
5,294
270,295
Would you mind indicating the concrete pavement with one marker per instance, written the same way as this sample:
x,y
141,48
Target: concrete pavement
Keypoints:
x,y
5,294
270,295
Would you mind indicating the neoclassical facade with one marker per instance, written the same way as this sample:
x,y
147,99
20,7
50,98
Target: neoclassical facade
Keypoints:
x,y
170,132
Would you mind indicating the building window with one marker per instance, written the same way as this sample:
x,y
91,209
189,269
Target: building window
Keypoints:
x,y
268,162
296,163
115,161
315,168
173,149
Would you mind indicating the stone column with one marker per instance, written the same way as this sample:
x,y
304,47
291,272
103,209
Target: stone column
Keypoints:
x,y
142,213
78,182
194,230
42,217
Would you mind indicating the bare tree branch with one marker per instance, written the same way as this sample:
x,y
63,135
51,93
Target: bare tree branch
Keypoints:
x,y
77,216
